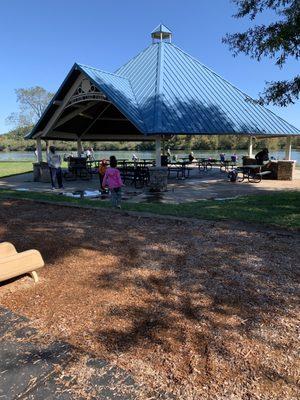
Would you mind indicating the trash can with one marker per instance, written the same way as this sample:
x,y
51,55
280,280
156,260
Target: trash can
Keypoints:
x,y
158,179
164,161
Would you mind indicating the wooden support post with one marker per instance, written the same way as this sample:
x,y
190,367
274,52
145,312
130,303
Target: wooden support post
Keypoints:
x,y
250,147
39,153
158,151
79,147
288,148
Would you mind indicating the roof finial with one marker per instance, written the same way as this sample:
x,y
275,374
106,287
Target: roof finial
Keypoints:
x,y
161,33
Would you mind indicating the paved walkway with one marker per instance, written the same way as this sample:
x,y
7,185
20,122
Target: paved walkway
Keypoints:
x,y
200,186
31,369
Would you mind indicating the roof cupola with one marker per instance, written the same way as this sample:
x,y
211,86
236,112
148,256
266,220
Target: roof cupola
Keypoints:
x,y
161,33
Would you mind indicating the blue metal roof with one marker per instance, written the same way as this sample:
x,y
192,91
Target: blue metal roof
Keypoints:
x,y
142,71
161,29
165,90
178,94
118,90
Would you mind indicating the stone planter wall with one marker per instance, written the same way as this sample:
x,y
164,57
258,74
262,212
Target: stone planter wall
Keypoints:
x,y
41,172
158,179
285,170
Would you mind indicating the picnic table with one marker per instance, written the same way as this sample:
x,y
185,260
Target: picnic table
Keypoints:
x,y
138,161
148,160
136,173
77,168
252,172
180,168
207,163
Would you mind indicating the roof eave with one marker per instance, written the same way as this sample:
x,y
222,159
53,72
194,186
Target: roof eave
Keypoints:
x,y
117,106
34,130
77,66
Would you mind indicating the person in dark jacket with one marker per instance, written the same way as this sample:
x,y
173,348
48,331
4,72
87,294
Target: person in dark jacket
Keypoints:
x,y
191,157
262,156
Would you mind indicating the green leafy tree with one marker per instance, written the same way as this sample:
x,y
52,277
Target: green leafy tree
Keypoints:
x,y
32,103
279,40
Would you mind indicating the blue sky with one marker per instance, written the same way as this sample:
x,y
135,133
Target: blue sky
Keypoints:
x,y
41,40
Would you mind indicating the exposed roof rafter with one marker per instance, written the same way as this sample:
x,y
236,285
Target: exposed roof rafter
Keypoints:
x,y
95,120
73,114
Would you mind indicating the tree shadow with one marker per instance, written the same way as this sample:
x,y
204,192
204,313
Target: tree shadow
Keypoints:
x,y
204,300
193,300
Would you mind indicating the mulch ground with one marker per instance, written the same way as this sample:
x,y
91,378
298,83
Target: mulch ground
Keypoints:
x,y
202,310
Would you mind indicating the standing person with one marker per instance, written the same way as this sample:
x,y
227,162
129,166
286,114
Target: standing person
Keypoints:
x,y
134,157
191,156
112,179
54,162
262,156
90,154
102,171
222,157
234,158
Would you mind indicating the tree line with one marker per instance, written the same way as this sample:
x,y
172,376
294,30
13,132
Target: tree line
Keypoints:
x,y
14,141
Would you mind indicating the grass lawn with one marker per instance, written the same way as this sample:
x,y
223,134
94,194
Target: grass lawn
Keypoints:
x,y
281,209
8,168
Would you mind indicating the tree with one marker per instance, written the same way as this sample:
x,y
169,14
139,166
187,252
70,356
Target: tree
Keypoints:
x,y
278,40
32,103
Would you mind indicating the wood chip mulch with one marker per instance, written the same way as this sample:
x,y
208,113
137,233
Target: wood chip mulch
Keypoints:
x,y
201,310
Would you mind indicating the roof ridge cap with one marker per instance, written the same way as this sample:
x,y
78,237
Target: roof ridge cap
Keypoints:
x,y
159,87
137,104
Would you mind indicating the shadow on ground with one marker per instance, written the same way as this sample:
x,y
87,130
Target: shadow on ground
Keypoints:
x,y
193,308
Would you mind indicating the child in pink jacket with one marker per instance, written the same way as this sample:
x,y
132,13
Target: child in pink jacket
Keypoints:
x,y
112,179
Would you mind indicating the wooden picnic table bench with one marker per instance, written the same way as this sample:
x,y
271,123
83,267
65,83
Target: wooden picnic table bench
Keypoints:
x,y
137,174
207,164
180,168
78,167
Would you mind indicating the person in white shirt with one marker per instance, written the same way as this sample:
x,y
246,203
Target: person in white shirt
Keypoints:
x,y
90,154
54,162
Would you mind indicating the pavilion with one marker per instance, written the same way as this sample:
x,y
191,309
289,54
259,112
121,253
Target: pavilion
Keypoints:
x,y
161,92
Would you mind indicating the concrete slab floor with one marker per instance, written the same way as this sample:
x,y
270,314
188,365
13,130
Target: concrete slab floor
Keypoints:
x,y
199,186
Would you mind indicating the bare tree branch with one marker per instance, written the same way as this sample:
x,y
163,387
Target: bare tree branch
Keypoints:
x,y
32,103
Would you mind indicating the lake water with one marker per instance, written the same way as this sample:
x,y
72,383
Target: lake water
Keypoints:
x,y
99,155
